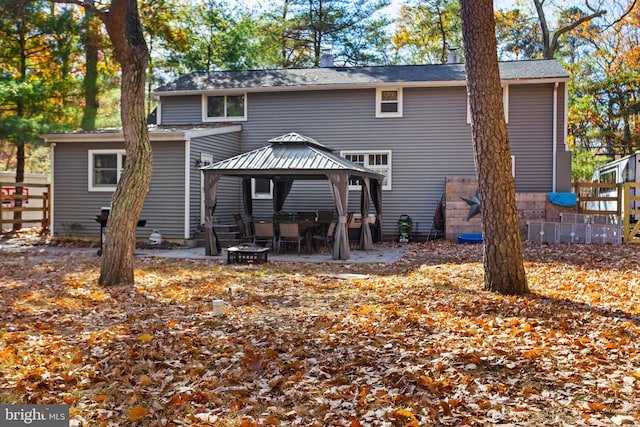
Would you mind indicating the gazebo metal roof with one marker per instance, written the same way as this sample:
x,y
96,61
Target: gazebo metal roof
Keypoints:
x,y
293,156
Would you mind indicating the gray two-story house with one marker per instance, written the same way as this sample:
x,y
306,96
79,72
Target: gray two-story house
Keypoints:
x,y
409,123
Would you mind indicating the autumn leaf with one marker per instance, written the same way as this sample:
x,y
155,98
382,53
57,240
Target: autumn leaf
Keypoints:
x,y
532,354
404,414
144,338
179,399
253,360
137,413
145,380
592,407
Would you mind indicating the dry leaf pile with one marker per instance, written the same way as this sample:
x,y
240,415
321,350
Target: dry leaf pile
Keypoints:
x,y
415,343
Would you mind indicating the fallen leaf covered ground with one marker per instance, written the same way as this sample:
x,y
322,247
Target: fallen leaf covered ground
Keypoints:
x,y
414,343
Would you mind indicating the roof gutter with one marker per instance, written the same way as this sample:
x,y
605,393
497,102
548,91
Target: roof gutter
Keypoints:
x,y
154,135
373,85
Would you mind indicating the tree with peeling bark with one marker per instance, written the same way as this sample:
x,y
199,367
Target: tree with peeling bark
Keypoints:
x,y
503,267
122,22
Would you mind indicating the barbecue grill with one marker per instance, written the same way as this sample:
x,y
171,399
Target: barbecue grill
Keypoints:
x,y
102,220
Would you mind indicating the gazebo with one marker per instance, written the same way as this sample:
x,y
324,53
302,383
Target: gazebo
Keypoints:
x,y
297,157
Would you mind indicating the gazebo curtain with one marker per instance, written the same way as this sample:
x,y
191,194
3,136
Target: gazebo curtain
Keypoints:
x,y
376,197
246,196
281,189
339,184
248,202
366,242
212,246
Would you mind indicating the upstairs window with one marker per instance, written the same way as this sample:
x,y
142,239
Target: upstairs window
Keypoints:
x,y
224,108
105,168
388,102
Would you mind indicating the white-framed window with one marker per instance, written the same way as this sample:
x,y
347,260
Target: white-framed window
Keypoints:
x,y
388,102
226,108
261,188
105,168
505,102
379,161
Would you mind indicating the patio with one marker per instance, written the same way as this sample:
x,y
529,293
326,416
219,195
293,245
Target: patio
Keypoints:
x,y
386,253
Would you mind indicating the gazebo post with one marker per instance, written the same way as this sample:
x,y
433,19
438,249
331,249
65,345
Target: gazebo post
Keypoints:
x,y
366,242
339,183
211,179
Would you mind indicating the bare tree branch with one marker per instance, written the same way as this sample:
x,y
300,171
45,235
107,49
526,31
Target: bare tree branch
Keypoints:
x,y
624,15
560,31
87,5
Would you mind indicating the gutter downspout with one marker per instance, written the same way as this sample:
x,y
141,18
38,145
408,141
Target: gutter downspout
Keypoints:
x,y
187,184
555,138
51,191
565,131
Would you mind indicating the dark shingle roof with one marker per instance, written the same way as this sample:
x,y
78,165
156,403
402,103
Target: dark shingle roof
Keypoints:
x,y
317,78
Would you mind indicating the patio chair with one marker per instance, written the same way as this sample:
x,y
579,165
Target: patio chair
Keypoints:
x,y
290,233
325,217
326,235
245,232
264,232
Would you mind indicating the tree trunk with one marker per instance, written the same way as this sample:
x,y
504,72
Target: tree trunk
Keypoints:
x,y
503,267
90,82
20,108
122,22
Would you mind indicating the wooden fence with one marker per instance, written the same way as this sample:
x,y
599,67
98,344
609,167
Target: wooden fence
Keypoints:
x,y
599,198
622,200
32,206
631,212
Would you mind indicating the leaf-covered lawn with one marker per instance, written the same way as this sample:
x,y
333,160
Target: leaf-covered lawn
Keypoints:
x,y
416,343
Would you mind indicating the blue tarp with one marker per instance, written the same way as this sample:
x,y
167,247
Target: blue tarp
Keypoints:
x,y
563,199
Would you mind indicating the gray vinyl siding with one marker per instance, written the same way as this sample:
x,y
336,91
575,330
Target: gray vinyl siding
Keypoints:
x,y
430,142
75,204
531,135
164,206
229,194
181,110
